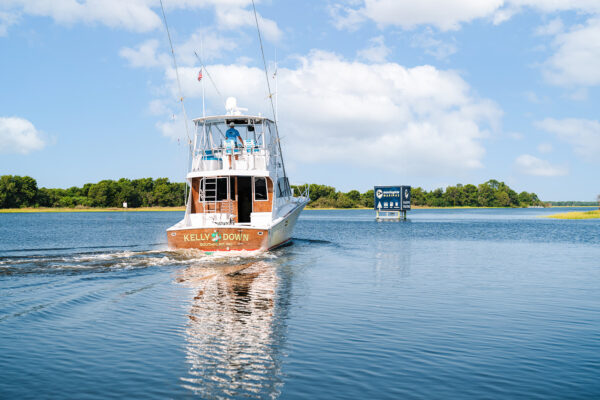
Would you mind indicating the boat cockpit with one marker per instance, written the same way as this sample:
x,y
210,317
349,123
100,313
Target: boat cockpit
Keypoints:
x,y
233,199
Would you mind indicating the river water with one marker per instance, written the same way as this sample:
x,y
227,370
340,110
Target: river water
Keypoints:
x,y
449,304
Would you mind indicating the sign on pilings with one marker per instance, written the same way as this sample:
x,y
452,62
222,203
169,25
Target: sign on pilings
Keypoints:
x,y
392,198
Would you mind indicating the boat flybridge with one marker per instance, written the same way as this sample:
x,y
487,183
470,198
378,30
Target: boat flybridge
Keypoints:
x,y
240,196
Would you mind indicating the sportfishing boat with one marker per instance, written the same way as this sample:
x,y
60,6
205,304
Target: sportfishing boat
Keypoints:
x,y
240,196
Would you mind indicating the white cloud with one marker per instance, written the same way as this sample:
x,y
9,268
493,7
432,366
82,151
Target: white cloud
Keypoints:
x,y
234,18
447,15
582,134
17,135
580,94
174,128
576,61
552,28
516,135
145,55
377,51
442,14
346,17
550,6
530,165
577,58
416,120
134,15
213,46
7,19
433,46
545,148
532,97
158,107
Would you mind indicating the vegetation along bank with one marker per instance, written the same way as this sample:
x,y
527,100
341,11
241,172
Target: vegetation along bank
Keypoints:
x,y
23,191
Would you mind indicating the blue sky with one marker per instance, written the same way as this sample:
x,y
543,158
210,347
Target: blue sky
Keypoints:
x,y
428,93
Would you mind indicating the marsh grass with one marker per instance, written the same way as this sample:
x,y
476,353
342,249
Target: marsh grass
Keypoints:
x,y
577,215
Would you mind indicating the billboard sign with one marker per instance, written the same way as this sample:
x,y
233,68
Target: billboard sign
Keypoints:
x,y
392,198
406,197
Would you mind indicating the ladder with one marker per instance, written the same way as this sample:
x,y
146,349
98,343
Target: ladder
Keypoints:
x,y
208,196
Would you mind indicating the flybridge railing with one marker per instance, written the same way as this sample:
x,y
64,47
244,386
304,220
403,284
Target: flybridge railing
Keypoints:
x,y
249,157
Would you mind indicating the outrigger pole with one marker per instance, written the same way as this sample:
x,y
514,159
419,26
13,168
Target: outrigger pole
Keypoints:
x,y
185,118
269,89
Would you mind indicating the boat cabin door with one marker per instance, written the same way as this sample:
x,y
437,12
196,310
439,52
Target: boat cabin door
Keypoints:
x,y
244,198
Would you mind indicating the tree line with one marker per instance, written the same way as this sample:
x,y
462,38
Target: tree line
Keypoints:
x,y
23,191
489,194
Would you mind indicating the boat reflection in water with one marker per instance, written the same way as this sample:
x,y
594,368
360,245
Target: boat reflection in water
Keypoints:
x,y
236,330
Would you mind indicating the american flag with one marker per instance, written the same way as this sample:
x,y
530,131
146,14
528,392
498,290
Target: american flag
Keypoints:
x,y
200,75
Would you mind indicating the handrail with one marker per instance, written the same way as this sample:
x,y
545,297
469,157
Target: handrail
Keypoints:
x,y
306,193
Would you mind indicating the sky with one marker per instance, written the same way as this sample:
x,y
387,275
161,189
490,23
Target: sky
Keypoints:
x,y
369,92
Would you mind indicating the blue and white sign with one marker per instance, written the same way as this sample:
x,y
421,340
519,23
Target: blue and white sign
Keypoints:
x,y
392,198
406,197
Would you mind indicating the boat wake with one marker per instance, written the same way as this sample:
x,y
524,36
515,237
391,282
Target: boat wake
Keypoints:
x,y
109,261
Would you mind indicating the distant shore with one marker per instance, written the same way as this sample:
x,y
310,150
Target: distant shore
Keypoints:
x,y
85,209
146,209
449,208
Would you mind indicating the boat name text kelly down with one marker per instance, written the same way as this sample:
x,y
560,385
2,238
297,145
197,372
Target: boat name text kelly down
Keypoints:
x,y
201,237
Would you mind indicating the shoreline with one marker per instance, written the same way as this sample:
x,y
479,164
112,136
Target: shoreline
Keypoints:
x,y
453,208
28,210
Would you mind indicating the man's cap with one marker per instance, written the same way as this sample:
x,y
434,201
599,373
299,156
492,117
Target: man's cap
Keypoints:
x,y
231,124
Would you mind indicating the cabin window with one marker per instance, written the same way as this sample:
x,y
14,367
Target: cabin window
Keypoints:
x,y
283,187
260,189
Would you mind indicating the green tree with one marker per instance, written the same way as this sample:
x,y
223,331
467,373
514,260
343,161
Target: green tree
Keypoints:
x,y
354,195
17,191
344,201
486,196
324,202
470,195
435,198
103,194
513,196
162,193
145,187
318,191
367,199
418,196
452,196
502,199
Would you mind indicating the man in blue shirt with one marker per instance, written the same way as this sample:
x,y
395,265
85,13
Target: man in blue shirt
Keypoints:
x,y
232,134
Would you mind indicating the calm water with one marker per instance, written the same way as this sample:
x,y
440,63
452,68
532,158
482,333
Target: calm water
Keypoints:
x,y
450,304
